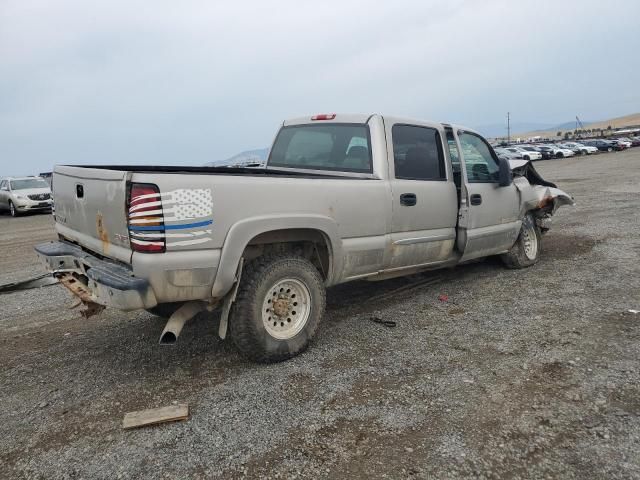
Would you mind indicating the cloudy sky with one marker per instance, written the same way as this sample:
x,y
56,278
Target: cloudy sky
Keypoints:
x,y
167,82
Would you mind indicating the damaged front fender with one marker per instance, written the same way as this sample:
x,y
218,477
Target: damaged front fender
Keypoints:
x,y
535,192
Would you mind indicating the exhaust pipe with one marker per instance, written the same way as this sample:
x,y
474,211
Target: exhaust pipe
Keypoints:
x,y
175,323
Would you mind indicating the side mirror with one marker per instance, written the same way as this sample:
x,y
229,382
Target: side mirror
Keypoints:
x,y
505,175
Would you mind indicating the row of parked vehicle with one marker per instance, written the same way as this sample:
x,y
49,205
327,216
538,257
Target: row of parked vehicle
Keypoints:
x,y
546,151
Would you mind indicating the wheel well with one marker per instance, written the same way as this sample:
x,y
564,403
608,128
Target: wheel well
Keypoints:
x,y
308,243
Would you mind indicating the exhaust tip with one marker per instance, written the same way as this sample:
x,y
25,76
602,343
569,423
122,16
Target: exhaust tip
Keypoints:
x,y
168,338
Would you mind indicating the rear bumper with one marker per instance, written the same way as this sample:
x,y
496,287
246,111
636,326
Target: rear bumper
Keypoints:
x,y
106,283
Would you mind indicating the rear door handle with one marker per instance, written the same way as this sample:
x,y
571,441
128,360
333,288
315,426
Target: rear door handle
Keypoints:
x,y
408,199
476,199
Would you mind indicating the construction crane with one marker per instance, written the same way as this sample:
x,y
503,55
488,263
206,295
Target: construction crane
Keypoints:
x,y
579,124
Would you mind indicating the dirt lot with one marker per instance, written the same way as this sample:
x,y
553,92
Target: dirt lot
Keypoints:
x,y
520,374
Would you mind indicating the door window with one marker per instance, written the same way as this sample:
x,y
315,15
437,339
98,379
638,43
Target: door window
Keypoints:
x,y
417,153
3,185
481,165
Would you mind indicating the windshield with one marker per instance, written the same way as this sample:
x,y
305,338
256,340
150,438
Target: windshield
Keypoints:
x,y
337,147
28,183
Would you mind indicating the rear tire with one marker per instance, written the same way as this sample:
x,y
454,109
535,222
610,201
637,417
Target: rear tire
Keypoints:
x,y
526,251
279,305
610,149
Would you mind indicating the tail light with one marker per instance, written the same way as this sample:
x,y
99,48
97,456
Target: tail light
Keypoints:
x,y
146,219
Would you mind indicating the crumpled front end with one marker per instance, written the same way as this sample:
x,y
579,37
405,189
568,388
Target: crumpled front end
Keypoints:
x,y
536,194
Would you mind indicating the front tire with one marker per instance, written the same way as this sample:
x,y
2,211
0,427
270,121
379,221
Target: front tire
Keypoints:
x,y
526,251
559,155
13,210
278,307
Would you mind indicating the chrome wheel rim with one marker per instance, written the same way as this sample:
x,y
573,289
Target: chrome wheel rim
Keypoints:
x,y
12,209
286,308
530,241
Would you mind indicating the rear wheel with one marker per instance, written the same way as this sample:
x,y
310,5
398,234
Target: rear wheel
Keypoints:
x,y
610,149
526,251
279,305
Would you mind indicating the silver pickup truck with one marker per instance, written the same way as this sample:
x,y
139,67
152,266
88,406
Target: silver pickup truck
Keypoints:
x,y
342,197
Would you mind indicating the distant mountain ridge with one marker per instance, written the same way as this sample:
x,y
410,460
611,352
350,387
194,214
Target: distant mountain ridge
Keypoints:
x,y
500,130
258,156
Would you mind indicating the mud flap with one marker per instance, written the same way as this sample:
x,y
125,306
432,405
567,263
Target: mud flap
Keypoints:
x,y
228,301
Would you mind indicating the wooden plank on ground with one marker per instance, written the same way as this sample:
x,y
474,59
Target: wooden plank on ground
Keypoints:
x,y
155,415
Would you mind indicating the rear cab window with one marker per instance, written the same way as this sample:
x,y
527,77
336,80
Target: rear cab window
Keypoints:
x,y
417,153
333,147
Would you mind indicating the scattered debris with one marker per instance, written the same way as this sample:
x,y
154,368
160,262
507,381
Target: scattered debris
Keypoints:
x,y
634,311
386,323
456,311
443,298
43,404
154,416
36,282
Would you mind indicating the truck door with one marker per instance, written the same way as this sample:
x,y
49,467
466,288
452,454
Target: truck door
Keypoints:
x,y
424,208
489,220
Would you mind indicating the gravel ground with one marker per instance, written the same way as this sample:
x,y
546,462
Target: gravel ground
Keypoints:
x,y
519,374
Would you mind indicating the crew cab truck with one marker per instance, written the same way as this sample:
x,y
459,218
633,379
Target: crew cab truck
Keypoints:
x,y
342,197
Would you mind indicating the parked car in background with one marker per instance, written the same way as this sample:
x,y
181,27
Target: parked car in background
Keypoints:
x,y
25,194
579,148
604,145
635,141
524,153
626,143
546,154
505,154
556,151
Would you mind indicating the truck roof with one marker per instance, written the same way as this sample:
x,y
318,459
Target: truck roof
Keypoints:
x,y
361,118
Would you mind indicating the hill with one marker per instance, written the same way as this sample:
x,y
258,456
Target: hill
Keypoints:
x,y
258,156
617,122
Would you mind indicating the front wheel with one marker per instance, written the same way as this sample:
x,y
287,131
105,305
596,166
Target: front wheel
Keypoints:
x,y
559,155
526,251
610,149
279,304
12,209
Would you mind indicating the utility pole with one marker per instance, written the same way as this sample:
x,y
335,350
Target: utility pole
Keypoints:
x,y
508,127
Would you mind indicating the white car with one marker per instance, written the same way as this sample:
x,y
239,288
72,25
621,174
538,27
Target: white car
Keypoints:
x,y
524,153
556,151
25,194
624,141
585,149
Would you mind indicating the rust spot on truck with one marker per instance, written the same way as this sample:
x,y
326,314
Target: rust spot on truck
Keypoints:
x,y
103,235
80,290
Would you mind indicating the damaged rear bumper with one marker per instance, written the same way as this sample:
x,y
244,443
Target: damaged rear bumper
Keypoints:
x,y
94,280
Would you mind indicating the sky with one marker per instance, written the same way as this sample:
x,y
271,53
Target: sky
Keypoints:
x,y
184,83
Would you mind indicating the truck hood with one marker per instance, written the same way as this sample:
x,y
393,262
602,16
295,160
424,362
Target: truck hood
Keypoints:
x,y
31,191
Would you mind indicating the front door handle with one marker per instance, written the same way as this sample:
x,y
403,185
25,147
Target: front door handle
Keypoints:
x,y
408,199
476,199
